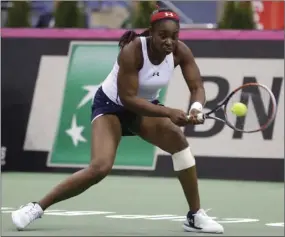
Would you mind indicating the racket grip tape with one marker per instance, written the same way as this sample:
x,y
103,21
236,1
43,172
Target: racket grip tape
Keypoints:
x,y
200,117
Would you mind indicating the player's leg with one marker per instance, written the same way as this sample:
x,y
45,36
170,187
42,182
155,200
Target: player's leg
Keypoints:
x,y
162,133
106,134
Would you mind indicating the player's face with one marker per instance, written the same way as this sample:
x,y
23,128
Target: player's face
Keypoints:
x,y
165,36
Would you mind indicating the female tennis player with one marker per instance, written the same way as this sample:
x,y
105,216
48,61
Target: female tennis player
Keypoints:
x,y
127,105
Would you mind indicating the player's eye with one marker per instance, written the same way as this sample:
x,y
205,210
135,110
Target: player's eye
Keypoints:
x,y
163,36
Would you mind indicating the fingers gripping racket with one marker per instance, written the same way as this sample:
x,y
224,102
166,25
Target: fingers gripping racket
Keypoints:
x,y
259,102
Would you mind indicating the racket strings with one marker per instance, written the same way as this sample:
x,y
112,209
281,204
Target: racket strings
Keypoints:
x,y
259,103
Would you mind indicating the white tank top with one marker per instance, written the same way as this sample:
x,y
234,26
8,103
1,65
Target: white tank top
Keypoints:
x,y
152,78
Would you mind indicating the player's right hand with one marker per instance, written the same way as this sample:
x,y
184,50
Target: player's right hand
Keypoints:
x,y
178,117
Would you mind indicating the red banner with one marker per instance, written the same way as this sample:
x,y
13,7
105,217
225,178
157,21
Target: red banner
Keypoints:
x,y
269,15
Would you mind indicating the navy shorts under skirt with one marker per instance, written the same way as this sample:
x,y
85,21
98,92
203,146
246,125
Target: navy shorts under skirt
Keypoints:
x,y
130,122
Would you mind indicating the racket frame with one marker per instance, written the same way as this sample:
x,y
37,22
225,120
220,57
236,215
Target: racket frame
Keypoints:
x,y
223,105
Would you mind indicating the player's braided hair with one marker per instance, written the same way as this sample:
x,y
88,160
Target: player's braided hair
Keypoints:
x,y
157,15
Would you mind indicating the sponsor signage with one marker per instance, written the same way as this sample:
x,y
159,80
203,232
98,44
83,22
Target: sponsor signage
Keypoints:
x,y
87,65
46,103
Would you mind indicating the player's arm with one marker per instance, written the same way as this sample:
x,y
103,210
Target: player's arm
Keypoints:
x,y
191,74
128,85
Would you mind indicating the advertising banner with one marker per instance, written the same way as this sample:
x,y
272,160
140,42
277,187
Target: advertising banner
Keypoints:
x,y
88,64
62,76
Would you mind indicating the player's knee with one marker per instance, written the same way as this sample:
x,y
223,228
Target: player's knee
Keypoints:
x,y
183,159
100,169
177,139
181,153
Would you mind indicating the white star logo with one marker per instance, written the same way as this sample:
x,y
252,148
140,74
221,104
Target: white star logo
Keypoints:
x,y
75,132
91,90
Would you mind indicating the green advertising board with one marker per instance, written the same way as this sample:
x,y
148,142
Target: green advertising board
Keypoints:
x,y
89,63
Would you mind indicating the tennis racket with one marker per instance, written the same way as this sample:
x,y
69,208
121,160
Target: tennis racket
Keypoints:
x,y
261,109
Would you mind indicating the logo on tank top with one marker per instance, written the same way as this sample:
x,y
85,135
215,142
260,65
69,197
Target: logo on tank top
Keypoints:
x,y
155,74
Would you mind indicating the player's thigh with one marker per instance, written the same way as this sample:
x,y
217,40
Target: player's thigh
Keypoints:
x,y
162,133
106,135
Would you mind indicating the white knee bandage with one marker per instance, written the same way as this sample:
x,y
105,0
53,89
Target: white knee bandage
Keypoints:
x,y
183,159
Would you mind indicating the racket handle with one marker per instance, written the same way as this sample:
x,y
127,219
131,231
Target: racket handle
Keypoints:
x,y
200,117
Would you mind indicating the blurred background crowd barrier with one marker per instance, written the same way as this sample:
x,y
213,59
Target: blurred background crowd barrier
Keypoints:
x,y
262,15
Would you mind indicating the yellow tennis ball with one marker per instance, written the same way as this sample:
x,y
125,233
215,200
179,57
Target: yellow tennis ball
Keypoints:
x,y
239,109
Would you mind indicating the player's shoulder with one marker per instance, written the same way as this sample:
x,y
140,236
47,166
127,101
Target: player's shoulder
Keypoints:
x,y
182,48
183,53
132,48
132,52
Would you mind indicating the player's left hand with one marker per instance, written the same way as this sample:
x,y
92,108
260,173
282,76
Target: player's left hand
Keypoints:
x,y
193,117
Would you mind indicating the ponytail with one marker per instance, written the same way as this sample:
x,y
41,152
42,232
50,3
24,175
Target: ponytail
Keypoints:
x,y
129,36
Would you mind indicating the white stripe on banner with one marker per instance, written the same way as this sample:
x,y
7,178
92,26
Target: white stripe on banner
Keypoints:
x,y
46,103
